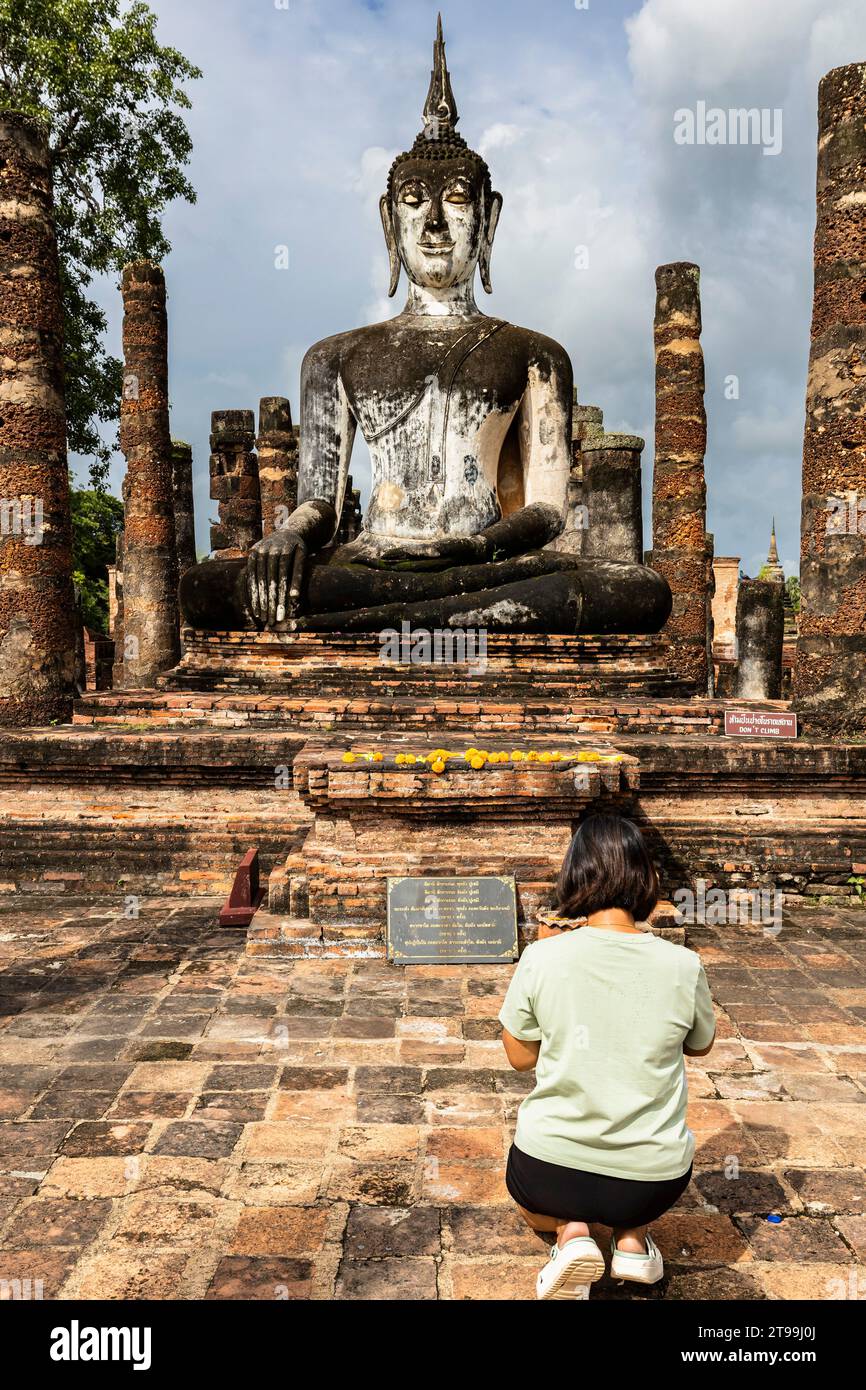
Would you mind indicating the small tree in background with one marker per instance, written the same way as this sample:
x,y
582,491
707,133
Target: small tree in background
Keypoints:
x,y
792,584
97,517
112,97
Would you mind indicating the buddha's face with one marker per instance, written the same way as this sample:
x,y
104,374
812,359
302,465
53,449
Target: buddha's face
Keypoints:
x,y
438,216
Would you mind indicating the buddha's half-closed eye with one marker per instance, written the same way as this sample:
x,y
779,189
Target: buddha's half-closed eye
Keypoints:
x,y
458,191
413,194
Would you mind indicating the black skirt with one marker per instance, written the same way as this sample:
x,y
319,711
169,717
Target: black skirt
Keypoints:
x,y
571,1194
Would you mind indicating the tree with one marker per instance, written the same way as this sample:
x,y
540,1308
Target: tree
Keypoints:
x,y
792,584
97,517
112,97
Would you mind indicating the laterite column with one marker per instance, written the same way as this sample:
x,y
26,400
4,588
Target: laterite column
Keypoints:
x,y
679,507
151,642
37,608
830,671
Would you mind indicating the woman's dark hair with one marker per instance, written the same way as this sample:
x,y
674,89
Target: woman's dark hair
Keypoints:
x,y
607,865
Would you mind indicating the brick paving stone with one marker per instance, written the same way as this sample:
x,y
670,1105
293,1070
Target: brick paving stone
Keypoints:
x,y
38,1271
793,1238
380,1232
841,1190
132,1275
67,1223
742,1190
242,1106
404,1279
261,1278
853,1231
179,1120
199,1138
92,1138
150,1105
280,1231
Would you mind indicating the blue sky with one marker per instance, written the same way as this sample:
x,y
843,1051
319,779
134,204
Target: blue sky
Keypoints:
x,y
301,109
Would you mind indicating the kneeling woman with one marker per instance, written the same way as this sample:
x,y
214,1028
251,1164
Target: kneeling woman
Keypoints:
x,y
604,1013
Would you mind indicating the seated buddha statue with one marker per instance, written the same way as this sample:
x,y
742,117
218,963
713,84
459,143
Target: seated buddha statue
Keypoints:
x,y
468,423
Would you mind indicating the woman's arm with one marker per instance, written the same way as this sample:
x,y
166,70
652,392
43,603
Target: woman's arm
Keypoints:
x,y
522,1055
699,1051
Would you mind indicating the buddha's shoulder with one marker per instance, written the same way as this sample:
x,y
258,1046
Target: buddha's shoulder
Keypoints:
x,y
369,341
538,348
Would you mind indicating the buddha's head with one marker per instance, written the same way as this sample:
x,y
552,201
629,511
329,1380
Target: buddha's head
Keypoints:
x,y
440,212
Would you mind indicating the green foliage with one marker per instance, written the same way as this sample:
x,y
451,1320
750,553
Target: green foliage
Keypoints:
x,y
96,519
792,584
112,97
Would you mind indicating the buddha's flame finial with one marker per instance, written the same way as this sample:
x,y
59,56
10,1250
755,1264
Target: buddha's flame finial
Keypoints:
x,y
440,109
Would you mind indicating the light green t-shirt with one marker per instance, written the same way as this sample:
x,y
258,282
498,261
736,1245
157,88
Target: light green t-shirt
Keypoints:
x,y
612,1011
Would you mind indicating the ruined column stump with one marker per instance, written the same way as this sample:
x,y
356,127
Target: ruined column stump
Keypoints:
x,y
234,484
277,447
830,673
37,609
184,510
611,493
150,613
760,635
681,552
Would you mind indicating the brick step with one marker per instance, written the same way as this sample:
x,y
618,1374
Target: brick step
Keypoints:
x,y
160,711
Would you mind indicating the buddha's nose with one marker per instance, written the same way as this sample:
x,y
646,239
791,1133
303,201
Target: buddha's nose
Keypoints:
x,y
435,216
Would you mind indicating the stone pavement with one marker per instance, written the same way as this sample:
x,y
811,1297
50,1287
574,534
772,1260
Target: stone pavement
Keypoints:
x,y
180,1121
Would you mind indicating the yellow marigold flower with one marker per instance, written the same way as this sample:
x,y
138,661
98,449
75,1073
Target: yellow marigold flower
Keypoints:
x,y
556,757
517,757
410,758
438,766
377,757
545,757
477,763
588,757
532,757
348,757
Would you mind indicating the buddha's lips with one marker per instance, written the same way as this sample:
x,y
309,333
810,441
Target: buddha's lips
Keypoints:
x,y
437,250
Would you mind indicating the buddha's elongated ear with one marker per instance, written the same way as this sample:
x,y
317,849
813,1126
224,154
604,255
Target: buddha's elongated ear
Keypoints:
x,y
391,243
487,240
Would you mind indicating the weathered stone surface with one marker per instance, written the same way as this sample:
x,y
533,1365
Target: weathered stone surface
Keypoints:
x,y
277,449
760,635
681,550
37,616
234,483
184,511
831,654
151,641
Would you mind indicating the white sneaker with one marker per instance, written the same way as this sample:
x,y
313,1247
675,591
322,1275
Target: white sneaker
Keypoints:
x,y
638,1269
570,1270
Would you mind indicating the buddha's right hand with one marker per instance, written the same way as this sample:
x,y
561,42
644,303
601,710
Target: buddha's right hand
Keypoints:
x,y
276,565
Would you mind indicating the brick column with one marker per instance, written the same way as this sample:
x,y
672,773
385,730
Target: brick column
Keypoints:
x,y
234,483
679,508
830,672
37,610
150,611
277,446
184,513
760,633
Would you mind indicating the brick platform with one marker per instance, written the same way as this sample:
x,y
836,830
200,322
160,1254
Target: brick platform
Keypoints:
x,y
180,1121
351,664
